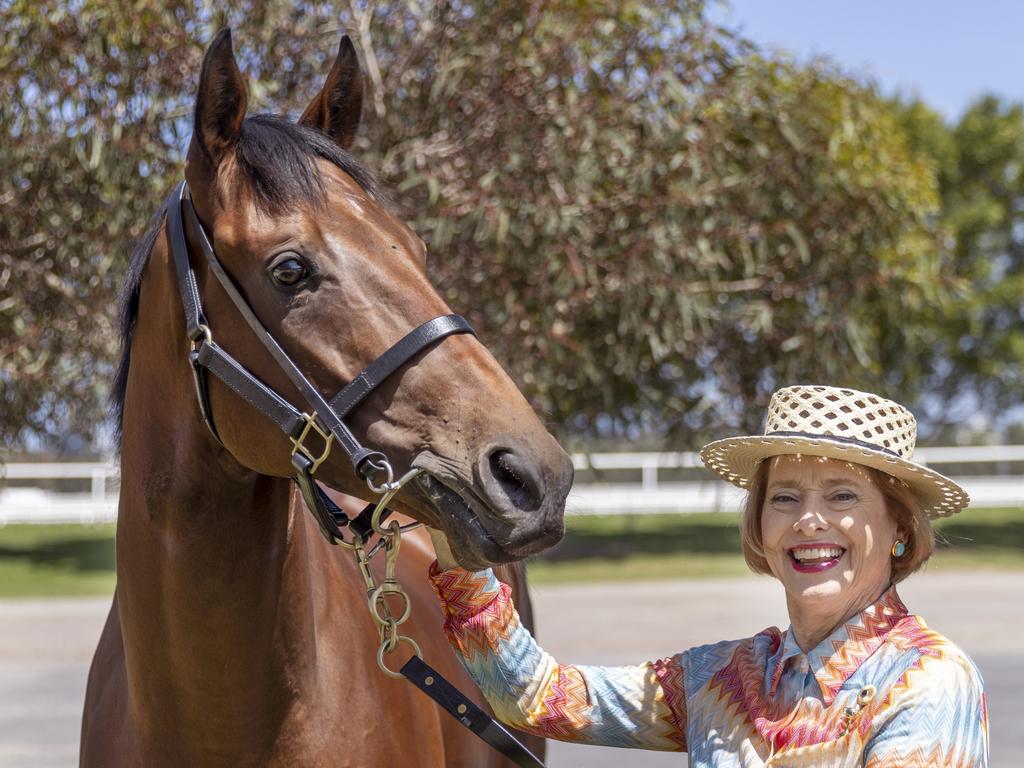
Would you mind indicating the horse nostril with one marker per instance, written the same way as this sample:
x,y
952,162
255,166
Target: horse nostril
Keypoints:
x,y
516,478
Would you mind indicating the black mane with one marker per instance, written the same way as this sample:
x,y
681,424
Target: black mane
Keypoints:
x,y
277,159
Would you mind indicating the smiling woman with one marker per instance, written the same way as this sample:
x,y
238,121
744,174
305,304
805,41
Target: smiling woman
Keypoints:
x,y
838,513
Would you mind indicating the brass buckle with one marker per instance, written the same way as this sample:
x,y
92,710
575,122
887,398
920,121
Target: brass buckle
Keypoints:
x,y
299,447
204,334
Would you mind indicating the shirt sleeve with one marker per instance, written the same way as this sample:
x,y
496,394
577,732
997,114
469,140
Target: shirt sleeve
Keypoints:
x,y
637,706
939,719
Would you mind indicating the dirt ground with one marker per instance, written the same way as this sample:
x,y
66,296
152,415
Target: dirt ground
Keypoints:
x,y
46,646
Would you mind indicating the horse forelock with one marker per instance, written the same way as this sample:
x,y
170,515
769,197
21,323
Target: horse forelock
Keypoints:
x,y
277,161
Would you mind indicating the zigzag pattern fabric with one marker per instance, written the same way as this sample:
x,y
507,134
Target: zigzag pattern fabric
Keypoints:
x,y
882,691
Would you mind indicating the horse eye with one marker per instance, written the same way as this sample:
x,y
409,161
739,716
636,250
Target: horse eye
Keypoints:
x,y
289,272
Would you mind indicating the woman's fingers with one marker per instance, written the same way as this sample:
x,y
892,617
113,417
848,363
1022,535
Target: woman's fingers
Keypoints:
x,y
445,559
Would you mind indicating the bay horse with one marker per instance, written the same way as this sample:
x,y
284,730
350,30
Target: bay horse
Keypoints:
x,y
238,636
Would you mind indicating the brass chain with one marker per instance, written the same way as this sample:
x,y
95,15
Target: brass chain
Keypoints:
x,y
377,594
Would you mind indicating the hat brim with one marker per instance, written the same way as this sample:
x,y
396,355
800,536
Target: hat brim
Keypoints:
x,y
735,460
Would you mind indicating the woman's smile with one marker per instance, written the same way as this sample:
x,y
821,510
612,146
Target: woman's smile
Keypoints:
x,y
816,557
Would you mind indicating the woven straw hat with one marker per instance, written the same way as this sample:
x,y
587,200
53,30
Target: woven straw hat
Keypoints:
x,y
840,424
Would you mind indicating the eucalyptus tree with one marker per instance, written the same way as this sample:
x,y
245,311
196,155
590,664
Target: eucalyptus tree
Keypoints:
x,y
648,221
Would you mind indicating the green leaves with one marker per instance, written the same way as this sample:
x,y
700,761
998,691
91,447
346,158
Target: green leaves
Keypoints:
x,y
976,339
650,224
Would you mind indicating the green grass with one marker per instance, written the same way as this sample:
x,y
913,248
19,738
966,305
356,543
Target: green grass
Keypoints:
x,y
58,560
642,547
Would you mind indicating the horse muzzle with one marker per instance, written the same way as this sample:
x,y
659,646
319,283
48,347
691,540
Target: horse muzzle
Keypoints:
x,y
510,509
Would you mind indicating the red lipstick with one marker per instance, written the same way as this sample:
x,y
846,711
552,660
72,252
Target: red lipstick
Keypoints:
x,y
815,557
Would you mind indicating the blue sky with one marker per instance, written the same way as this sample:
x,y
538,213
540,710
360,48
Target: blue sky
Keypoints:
x,y
946,52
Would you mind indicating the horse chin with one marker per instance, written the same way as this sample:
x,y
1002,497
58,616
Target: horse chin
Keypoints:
x,y
471,544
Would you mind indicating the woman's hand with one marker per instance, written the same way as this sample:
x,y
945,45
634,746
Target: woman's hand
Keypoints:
x,y
445,559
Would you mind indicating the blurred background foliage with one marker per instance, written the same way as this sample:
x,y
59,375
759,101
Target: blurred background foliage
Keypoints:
x,y
652,223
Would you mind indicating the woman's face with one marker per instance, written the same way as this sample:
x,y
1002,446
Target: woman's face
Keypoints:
x,y
827,533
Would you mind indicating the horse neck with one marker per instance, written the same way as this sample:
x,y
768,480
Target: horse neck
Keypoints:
x,y
215,593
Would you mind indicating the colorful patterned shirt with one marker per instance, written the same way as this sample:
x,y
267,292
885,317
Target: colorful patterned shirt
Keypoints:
x,y
882,691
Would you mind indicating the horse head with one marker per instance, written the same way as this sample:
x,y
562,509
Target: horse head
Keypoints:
x,y
337,279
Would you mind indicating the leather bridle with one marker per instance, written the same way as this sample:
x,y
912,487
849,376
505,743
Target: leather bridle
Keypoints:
x,y
325,419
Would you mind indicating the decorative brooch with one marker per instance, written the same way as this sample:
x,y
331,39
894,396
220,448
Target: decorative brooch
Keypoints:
x,y
851,713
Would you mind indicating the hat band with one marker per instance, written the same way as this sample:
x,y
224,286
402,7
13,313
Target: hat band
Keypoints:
x,y
838,439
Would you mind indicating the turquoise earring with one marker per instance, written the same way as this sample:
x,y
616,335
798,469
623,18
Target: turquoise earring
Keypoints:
x,y
898,548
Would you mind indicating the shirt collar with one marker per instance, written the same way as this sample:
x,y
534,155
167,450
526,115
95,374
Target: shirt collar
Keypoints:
x,y
789,647
852,643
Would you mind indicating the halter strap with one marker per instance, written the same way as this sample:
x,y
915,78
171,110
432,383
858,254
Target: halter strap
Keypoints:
x,y
326,418
376,372
320,408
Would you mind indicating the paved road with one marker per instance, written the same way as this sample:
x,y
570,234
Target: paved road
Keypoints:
x,y
45,648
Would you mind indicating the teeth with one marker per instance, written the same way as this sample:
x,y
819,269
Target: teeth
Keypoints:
x,y
817,553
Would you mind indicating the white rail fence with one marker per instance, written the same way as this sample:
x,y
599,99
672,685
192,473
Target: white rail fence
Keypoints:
x,y
607,483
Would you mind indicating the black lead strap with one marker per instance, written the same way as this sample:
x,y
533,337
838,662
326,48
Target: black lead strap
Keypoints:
x,y
455,703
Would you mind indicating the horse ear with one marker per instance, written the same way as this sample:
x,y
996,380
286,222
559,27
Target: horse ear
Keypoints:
x,y
336,110
221,101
